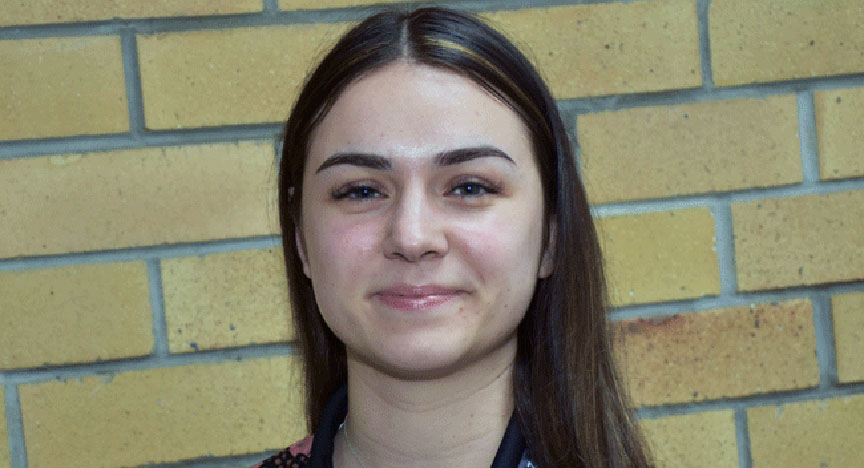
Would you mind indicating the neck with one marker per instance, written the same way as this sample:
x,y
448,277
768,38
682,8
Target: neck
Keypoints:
x,y
454,421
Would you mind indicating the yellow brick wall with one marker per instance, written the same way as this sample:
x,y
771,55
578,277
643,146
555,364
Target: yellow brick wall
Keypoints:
x,y
141,287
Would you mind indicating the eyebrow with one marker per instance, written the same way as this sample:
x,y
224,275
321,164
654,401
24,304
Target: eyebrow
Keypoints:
x,y
444,158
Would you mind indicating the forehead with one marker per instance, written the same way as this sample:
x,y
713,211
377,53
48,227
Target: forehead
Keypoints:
x,y
410,112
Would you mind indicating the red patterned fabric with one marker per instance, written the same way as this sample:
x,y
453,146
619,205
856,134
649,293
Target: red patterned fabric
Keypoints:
x,y
295,456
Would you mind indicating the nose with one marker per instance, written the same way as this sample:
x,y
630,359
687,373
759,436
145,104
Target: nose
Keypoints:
x,y
415,231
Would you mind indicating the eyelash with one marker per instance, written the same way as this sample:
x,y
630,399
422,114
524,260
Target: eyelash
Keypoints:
x,y
353,191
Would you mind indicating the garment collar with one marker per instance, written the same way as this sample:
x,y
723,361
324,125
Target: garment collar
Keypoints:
x,y
509,455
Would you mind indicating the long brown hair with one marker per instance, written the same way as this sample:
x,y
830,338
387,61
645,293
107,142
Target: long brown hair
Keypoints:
x,y
568,401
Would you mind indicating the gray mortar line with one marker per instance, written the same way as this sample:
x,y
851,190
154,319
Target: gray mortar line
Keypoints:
x,y
108,368
735,196
132,74
740,299
742,439
808,139
217,462
150,139
590,104
703,9
270,6
724,246
823,326
157,306
15,427
142,253
774,398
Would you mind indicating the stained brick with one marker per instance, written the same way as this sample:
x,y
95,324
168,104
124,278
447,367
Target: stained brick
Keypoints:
x,y
164,415
5,458
839,114
318,4
660,256
609,48
765,40
694,440
232,76
226,300
61,87
693,148
782,242
848,312
721,353
51,11
76,314
825,433
129,198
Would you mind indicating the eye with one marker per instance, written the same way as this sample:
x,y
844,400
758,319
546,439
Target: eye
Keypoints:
x,y
356,192
474,188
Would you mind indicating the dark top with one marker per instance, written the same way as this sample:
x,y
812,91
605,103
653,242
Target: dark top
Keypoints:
x,y
317,451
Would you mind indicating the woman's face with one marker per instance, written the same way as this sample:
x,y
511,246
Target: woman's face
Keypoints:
x,y
422,219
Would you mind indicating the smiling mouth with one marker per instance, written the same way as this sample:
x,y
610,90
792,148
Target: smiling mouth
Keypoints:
x,y
414,302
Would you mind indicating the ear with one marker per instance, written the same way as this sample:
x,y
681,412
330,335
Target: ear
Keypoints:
x,y
547,261
302,252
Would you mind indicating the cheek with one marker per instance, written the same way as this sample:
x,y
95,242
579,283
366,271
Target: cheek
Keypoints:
x,y
502,247
338,250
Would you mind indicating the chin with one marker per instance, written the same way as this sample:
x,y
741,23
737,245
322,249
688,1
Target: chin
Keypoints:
x,y
430,360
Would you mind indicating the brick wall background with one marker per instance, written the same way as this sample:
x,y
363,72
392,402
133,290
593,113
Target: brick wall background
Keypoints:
x,y
143,311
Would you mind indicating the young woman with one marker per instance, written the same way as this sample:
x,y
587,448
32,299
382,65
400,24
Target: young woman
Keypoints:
x,y
445,275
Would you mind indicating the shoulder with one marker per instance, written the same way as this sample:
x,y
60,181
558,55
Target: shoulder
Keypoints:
x,y
295,456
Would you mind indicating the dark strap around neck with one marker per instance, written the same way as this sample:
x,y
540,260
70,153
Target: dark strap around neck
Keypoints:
x,y
509,453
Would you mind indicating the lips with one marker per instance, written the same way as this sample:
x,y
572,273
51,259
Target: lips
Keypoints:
x,y
413,298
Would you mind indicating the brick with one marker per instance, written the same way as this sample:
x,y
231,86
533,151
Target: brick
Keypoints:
x,y
716,354
148,196
782,242
827,433
609,48
660,256
700,439
848,313
319,4
76,314
50,11
165,415
5,458
226,300
765,40
61,87
839,114
231,76
663,151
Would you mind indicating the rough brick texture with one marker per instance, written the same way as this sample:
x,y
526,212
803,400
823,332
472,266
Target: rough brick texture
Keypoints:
x,y
705,147
848,313
5,459
205,78
782,241
765,40
839,114
660,256
74,314
165,414
61,87
721,353
51,11
694,440
819,433
137,197
226,300
318,4
610,48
